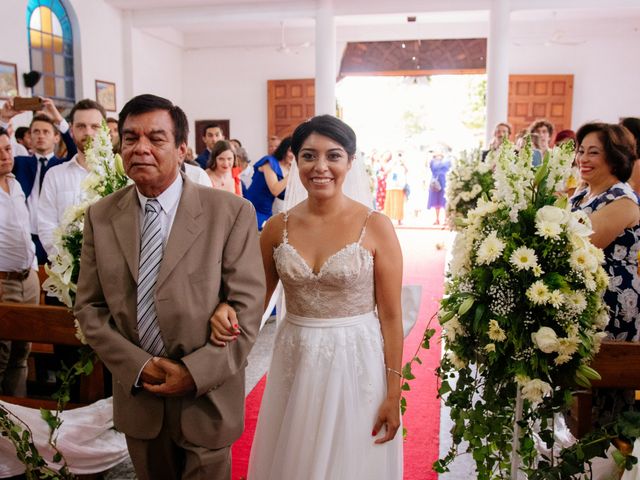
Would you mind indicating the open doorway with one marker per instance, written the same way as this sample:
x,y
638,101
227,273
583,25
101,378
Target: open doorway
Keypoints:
x,y
409,127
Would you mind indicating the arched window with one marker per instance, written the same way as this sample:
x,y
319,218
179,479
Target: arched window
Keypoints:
x,y
51,50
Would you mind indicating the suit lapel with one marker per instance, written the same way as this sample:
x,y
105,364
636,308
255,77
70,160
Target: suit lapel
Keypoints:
x,y
126,225
184,231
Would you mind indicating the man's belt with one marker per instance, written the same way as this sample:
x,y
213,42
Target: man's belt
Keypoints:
x,y
21,275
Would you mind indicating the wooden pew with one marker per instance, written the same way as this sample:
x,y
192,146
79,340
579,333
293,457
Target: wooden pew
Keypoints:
x,y
618,363
45,324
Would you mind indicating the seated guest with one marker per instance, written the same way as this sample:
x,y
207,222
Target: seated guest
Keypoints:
x,y
244,166
544,130
18,268
112,123
270,176
212,134
273,143
235,143
564,136
605,156
502,131
633,125
62,186
195,173
220,168
30,170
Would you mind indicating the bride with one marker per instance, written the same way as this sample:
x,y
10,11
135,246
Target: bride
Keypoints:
x,y
331,405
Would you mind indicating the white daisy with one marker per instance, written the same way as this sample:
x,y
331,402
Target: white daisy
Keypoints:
x,y
524,258
495,332
490,249
538,293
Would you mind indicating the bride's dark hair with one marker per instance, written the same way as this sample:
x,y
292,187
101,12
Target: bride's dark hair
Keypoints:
x,y
326,125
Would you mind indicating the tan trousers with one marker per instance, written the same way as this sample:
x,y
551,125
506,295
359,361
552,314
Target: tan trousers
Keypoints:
x,y
170,457
13,355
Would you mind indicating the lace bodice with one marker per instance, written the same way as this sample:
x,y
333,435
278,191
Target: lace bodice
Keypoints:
x,y
343,287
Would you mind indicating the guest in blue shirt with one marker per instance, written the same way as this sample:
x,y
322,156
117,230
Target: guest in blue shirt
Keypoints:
x,y
270,176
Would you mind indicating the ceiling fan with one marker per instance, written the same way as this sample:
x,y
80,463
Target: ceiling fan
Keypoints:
x,y
287,49
559,36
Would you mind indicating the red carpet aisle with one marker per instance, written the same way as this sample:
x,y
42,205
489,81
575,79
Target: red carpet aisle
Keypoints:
x,y
424,265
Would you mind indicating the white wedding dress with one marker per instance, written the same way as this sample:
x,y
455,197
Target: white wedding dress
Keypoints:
x,y
327,376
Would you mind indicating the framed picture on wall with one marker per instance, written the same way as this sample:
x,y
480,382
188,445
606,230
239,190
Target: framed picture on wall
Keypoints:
x,y
106,95
8,80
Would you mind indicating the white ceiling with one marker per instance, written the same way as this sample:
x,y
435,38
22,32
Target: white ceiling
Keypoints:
x,y
256,23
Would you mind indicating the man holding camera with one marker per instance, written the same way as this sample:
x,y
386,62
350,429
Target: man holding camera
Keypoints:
x,y
45,130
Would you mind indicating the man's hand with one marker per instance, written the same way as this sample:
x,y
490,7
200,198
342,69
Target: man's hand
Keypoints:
x,y
152,374
7,112
50,109
177,379
224,325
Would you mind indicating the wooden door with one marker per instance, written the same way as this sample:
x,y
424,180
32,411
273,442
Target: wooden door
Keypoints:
x,y
532,97
290,102
199,131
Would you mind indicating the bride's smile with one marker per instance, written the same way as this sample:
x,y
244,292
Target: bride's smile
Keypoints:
x,y
323,164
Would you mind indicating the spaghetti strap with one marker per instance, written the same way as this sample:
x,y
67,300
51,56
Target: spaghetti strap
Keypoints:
x,y
364,227
285,235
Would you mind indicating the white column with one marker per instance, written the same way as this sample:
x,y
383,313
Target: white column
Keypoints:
x,y
325,59
497,65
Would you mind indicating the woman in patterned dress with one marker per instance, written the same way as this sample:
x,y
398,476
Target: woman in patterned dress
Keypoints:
x,y
605,156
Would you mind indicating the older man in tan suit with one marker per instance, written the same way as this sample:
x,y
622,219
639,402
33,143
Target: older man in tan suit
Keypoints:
x,y
157,259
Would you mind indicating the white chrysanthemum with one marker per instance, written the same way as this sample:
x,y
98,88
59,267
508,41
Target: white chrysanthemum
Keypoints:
x,y
455,360
453,328
602,318
548,230
534,390
579,260
538,292
556,299
490,249
460,254
490,347
576,301
495,332
524,258
589,282
537,270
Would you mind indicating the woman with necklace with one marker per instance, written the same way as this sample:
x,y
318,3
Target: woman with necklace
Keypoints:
x,y
605,156
220,168
269,181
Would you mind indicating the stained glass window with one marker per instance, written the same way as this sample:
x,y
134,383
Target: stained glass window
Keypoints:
x,y
51,50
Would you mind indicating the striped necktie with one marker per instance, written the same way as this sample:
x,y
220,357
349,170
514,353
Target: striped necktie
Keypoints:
x,y
150,260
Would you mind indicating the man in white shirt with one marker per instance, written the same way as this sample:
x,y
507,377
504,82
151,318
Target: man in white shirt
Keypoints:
x,y
46,128
62,186
18,277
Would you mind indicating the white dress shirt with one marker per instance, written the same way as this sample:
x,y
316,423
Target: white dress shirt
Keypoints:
x,y
168,200
246,176
61,188
197,175
17,251
34,196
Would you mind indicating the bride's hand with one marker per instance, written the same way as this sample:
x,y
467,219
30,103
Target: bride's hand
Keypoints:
x,y
389,416
224,325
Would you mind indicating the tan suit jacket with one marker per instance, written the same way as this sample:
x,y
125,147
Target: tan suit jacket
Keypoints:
x,y
212,254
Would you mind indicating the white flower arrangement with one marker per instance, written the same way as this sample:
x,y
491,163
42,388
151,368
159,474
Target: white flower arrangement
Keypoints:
x,y
524,293
106,175
468,179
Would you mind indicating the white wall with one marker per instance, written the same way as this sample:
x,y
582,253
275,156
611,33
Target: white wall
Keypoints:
x,y
231,83
606,75
157,67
